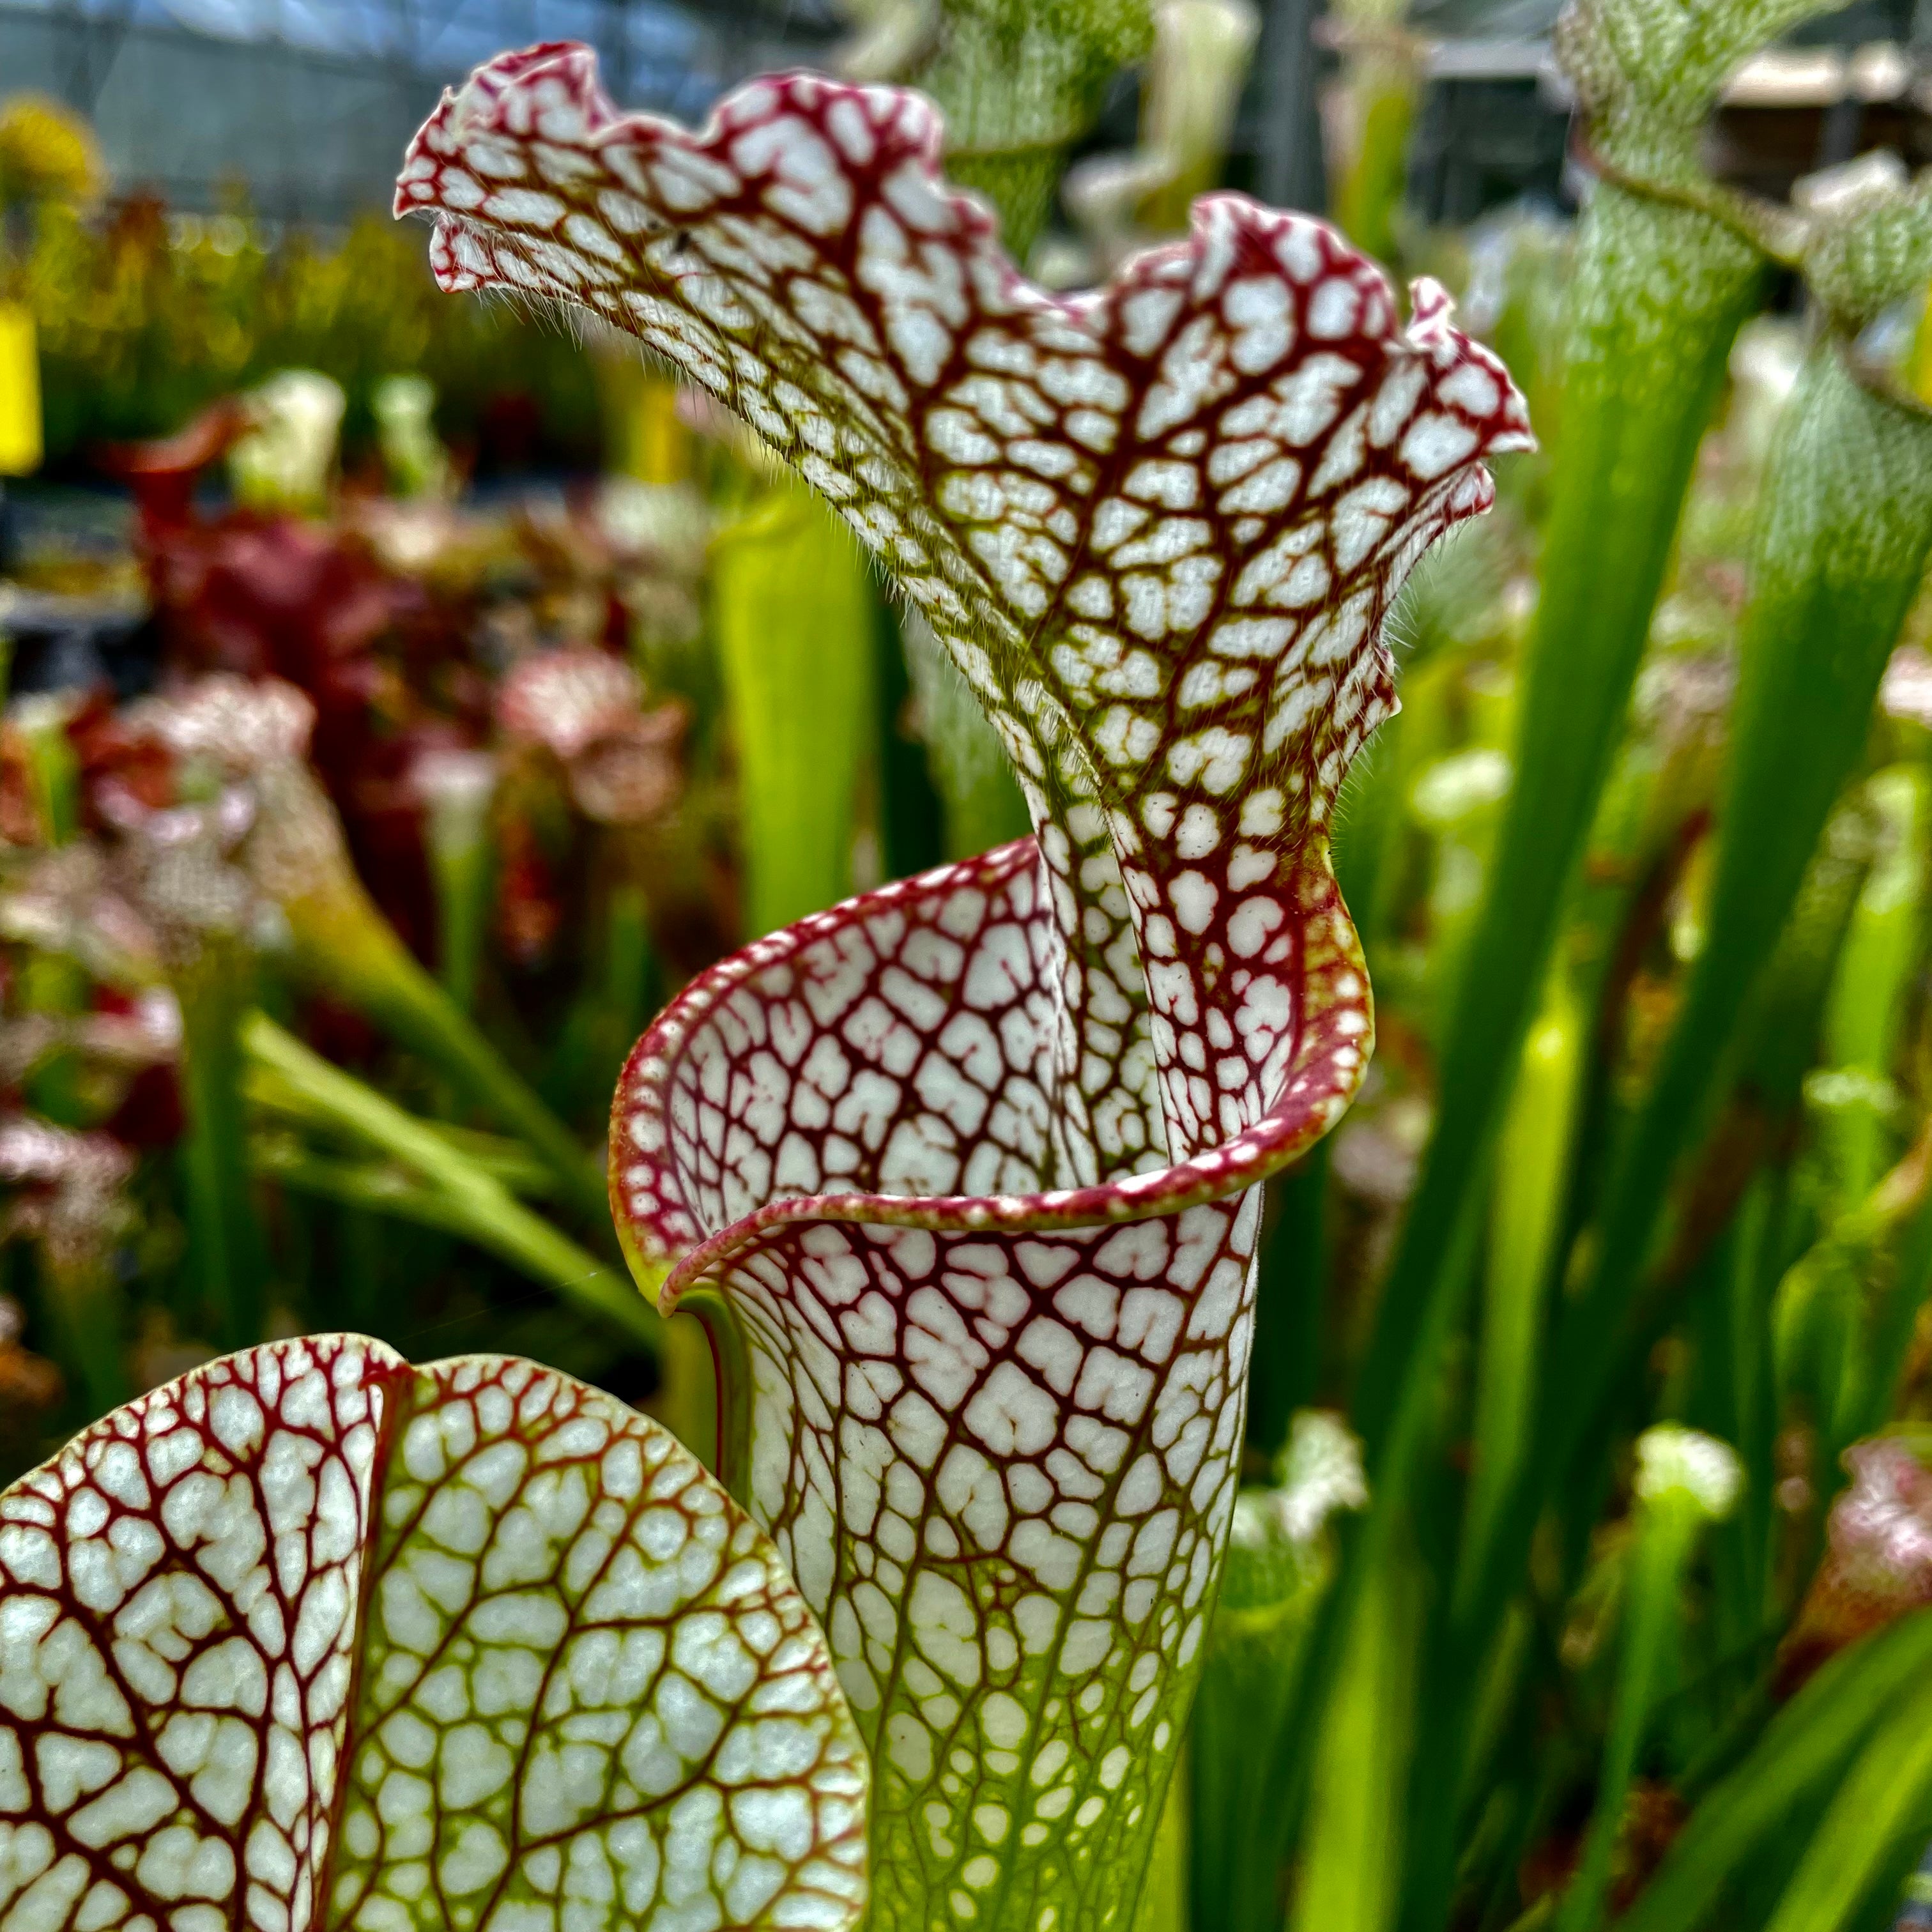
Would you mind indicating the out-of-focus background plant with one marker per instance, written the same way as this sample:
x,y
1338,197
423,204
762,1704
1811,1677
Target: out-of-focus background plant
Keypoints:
x,y
407,695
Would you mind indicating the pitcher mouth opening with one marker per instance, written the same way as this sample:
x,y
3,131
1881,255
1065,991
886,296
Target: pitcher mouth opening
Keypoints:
x,y
650,1199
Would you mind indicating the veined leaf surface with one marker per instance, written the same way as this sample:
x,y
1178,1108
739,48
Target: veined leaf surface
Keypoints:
x,y
972,1157
311,1637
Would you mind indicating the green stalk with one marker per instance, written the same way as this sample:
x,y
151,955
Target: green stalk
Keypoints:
x,y
1658,293
1858,1290
1352,1854
524,1240
457,787
350,951
343,944
225,1250
1756,1136
1784,1783
1525,1218
1382,85
793,618
627,964
1905,1196
1281,1557
1874,974
1685,1481
609,1012
461,886
454,1185
1598,1343
1842,534
52,769
1744,1412
1873,1830
1456,799
506,1161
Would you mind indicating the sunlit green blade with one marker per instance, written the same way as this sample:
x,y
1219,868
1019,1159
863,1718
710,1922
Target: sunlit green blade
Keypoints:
x,y
1784,1779
1684,1480
1349,1874
1841,543
1884,944
793,618
1657,296
1875,1826
463,1195
1532,1180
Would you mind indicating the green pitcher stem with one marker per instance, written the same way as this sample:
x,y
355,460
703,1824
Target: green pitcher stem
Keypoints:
x,y
461,1195
792,614
350,951
1873,984
1383,87
1657,294
462,893
1684,1482
1842,535
215,990
1532,1179
1666,1540
85,1302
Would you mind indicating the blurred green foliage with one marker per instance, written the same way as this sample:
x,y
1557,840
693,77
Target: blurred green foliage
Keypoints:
x,y
146,317
1641,874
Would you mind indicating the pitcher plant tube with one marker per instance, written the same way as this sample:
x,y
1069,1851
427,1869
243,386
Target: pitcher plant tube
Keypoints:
x,y
963,1172
313,1637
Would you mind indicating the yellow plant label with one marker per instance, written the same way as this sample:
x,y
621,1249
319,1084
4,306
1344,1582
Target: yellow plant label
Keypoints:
x,y
20,442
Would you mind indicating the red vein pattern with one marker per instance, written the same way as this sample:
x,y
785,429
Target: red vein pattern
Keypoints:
x,y
310,1637
178,1596
971,1157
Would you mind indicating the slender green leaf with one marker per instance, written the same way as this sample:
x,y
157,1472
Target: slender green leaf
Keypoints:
x,y
1532,1180
215,987
1657,295
1684,1481
792,615
464,1196
1841,543
1881,950
1804,1749
1350,1869
1885,1799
